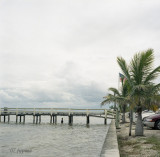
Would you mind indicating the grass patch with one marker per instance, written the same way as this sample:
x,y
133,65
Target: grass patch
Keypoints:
x,y
125,143
136,146
155,141
123,155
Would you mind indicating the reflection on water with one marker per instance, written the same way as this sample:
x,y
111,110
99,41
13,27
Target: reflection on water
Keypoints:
x,y
49,140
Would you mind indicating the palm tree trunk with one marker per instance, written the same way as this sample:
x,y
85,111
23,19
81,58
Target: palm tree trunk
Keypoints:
x,y
115,106
123,117
131,122
139,125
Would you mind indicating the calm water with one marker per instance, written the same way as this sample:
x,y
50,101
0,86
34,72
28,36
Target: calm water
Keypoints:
x,y
48,140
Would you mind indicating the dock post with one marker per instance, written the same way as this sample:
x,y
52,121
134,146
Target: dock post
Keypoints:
x,y
20,119
33,119
51,119
4,118
55,120
16,118
36,119
87,119
0,114
23,119
34,112
16,115
39,119
70,119
105,119
8,118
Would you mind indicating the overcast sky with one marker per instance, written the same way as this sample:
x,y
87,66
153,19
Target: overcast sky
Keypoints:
x,y
62,53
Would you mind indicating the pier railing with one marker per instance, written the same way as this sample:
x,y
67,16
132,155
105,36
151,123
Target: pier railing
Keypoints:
x,y
54,112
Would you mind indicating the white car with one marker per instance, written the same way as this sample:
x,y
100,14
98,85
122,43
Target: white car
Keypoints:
x,y
145,113
152,121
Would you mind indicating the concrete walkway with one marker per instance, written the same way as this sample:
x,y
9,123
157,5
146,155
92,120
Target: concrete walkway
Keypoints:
x,y
110,146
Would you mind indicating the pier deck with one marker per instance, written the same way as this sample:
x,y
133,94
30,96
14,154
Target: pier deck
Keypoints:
x,y
54,112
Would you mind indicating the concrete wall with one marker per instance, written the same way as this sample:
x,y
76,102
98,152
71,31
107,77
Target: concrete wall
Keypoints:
x,y
110,146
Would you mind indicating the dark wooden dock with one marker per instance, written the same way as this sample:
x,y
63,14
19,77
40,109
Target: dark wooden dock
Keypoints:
x,y
21,114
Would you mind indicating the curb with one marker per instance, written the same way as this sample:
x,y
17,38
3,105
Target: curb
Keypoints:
x,y
110,146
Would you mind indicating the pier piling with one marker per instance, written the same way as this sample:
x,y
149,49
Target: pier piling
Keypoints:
x,y
70,119
16,118
87,119
105,121
105,118
8,118
36,119
4,119
39,119
20,119
23,119
33,119
55,119
51,119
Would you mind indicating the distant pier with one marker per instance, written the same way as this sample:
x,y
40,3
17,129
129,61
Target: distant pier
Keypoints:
x,y
21,114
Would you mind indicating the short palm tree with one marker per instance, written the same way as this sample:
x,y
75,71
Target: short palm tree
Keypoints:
x,y
121,98
140,76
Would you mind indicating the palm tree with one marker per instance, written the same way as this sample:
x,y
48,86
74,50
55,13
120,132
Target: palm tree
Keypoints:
x,y
140,76
118,97
152,97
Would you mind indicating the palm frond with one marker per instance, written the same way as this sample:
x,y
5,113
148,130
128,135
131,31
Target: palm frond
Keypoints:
x,y
141,65
124,67
114,90
152,75
108,99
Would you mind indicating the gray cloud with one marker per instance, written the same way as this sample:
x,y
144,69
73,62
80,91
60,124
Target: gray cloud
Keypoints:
x,y
82,95
63,53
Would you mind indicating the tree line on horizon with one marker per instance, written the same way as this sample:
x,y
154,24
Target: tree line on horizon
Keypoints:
x,y
138,90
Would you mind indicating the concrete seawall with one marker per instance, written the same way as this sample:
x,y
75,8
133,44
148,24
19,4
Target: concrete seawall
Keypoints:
x,y
110,146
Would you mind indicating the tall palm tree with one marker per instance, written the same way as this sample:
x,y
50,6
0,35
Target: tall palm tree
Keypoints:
x,y
140,75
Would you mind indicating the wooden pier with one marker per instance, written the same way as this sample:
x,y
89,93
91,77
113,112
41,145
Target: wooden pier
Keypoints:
x,y
21,114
